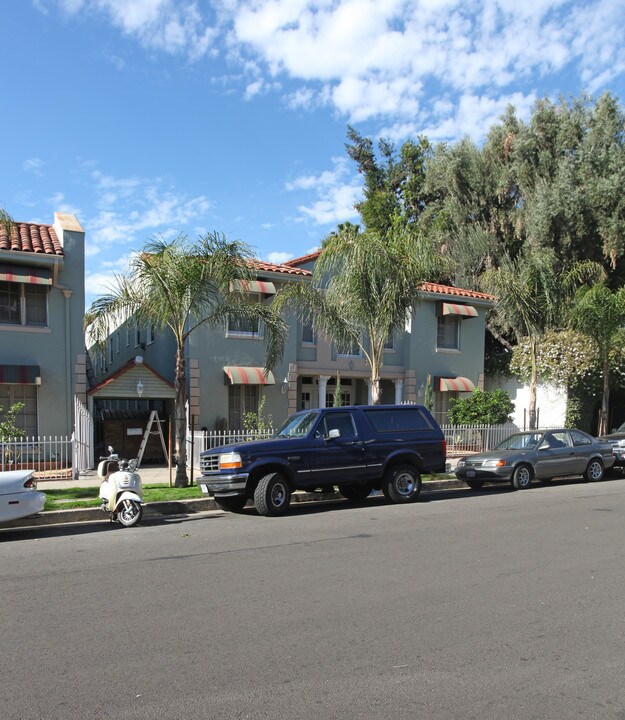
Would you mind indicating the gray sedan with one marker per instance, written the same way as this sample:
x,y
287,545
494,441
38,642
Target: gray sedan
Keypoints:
x,y
540,454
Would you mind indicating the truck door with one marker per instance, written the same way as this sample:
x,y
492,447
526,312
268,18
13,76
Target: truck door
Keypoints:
x,y
341,457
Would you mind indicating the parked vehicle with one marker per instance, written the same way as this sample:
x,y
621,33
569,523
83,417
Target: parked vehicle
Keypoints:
x,y
121,491
384,447
617,439
540,454
19,497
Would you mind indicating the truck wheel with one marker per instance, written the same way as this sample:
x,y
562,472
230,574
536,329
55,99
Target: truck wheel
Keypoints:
x,y
234,503
272,496
521,477
402,484
354,491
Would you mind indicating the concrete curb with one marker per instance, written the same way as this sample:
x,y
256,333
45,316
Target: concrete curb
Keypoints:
x,y
184,507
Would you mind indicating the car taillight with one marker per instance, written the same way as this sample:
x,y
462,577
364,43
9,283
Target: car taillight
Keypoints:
x,y
444,448
30,484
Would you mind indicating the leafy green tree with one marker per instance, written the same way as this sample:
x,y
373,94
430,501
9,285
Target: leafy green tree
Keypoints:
x,y
364,285
493,407
393,182
599,313
531,297
181,286
8,417
256,423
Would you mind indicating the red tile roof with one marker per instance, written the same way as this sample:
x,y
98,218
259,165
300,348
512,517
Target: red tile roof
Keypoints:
x,y
426,287
457,292
304,259
30,237
261,265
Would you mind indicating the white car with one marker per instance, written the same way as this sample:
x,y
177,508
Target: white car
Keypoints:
x,y
19,497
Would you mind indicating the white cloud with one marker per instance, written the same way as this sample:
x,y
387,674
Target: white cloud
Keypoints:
x,y
279,257
130,209
34,165
170,26
337,191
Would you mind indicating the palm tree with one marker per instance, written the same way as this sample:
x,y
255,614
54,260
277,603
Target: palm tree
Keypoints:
x,y
531,297
364,285
181,286
599,313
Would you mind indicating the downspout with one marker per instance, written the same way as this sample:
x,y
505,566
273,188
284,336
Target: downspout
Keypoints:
x,y
68,367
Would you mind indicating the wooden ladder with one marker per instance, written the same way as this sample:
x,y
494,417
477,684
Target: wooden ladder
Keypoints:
x,y
148,431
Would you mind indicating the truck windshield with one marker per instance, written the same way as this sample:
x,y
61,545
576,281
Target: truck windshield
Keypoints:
x,y
297,425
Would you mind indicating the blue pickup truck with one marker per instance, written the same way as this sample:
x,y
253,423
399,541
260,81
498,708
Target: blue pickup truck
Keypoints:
x,y
357,448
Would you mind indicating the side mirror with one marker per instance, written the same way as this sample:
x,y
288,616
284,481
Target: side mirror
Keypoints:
x,y
334,433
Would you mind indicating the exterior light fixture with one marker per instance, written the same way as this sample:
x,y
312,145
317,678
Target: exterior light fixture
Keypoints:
x,y
139,388
421,390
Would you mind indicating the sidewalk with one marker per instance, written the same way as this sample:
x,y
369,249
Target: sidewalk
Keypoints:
x,y
155,475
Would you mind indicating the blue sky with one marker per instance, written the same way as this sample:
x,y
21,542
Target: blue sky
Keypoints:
x,y
152,117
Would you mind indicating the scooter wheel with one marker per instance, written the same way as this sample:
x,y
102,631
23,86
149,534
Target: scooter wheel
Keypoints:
x,y
129,513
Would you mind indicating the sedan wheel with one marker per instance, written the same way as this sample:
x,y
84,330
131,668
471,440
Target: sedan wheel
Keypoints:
x,y
521,477
594,471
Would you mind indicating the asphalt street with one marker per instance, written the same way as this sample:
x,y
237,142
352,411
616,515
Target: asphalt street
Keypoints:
x,y
496,604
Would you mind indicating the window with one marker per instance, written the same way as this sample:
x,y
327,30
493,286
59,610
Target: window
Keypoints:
x,y
241,399
117,342
580,439
390,343
110,353
245,326
448,332
342,422
137,336
352,350
151,334
27,394
397,420
22,304
127,334
308,333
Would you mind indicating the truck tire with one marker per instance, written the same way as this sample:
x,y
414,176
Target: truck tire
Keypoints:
x,y
402,483
354,491
232,503
272,496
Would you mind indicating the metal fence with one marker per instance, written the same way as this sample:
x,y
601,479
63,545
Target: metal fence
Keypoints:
x,y
467,439
461,439
50,457
205,440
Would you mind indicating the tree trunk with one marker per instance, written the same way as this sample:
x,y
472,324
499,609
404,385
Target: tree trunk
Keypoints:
x,y
533,384
180,420
605,400
375,384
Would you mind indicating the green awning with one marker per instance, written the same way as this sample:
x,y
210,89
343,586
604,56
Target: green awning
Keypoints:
x,y
467,311
249,376
20,375
25,274
253,286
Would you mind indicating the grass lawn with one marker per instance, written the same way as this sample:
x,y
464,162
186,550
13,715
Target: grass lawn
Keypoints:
x,y
70,498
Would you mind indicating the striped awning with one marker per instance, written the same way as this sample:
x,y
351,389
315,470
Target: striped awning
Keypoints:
x,y
249,376
20,375
466,311
253,286
458,384
24,274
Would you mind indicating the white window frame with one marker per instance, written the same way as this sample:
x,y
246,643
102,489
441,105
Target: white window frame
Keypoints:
x,y
250,335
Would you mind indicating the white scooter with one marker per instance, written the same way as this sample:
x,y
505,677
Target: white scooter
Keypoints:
x,y
121,491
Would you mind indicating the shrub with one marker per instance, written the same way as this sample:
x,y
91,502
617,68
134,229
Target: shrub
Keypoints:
x,y
493,407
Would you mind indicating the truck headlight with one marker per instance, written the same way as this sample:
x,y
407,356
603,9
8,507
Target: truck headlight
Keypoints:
x,y
230,461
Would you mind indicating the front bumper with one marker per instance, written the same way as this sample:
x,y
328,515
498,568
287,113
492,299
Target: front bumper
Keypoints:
x,y
619,457
493,474
217,483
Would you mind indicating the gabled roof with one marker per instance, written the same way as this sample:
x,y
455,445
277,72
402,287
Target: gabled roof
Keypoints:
x,y
304,259
30,237
131,365
262,266
455,291
426,287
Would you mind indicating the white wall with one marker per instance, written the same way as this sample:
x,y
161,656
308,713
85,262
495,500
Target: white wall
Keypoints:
x,y
550,401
